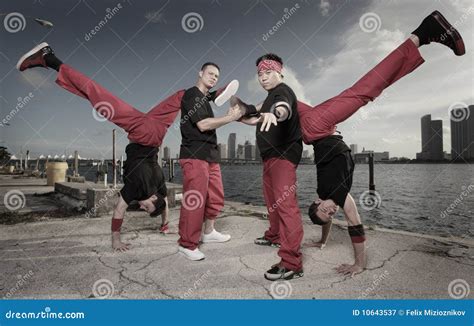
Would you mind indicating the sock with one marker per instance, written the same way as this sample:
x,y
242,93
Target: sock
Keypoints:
x,y
117,224
356,233
52,61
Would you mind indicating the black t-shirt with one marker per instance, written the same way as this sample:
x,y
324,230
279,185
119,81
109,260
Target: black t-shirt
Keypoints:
x,y
143,176
327,148
335,178
194,143
284,139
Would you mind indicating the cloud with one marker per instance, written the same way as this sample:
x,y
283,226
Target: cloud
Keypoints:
x,y
324,7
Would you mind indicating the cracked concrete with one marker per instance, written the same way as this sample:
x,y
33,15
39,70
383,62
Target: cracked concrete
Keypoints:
x,y
65,257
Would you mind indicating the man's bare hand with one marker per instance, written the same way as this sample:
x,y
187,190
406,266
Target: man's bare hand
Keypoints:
x,y
346,269
235,112
117,243
267,120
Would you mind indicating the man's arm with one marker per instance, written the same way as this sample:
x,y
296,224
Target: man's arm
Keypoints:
x,y
214,123
117,219
358,242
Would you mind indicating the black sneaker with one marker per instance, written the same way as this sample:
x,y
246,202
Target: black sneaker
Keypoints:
x,y
436,28
278,272
34,57
264,242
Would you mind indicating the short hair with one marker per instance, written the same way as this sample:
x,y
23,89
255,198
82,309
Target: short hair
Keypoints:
x,y
312,212
269,56
210,64
160,205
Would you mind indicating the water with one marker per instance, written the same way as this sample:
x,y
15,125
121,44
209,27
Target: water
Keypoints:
x,y
414,197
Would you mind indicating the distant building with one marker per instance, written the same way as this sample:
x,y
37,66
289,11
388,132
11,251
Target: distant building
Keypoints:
x,y
257,152
240,152
363,157
431,139
166,153
462,133
249,150
354,149
231,146
222,148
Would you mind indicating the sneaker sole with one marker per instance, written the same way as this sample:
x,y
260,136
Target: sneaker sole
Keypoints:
x,y
451,32
215,241
30,53
192,259
230,90
290,277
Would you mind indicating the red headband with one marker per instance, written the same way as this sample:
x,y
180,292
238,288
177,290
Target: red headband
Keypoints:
x,y
269,65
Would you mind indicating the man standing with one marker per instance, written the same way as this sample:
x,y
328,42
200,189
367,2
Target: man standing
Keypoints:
x,y
143,178
280,148
203,193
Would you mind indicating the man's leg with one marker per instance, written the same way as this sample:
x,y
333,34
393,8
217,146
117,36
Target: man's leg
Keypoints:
x,y
273,232
214,205
321,120
141,128
193,205
291,226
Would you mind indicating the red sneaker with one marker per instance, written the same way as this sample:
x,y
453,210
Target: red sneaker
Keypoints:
x,y
34,57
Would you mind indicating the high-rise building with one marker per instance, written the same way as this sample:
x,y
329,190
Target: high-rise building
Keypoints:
x,y
166,153
431,139
222,148
354,149
462,133
257,152
249,150
231,146
240,152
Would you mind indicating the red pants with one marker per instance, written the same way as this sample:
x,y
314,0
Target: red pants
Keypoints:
x,y
147,129
286,227
320,121
203,198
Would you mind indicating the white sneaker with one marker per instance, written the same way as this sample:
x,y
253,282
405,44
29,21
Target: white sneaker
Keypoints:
x,y
215,236
195,254
224,94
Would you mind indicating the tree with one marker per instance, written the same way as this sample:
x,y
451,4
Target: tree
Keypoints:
x,y
4,155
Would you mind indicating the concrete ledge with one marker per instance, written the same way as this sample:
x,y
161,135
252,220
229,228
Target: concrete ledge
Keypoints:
x,y
100,201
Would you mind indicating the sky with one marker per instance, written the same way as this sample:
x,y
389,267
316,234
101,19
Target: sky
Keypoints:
x,y
147,50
